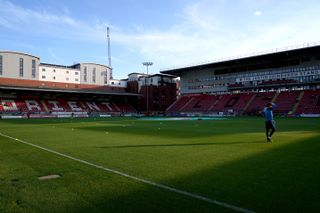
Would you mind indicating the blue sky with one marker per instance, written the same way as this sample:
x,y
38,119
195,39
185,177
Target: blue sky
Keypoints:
x,y
169,33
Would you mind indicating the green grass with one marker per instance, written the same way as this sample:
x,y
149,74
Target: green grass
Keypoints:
x,y
227,160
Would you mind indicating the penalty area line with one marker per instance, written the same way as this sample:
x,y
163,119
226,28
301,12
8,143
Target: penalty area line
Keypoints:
x,y
149,182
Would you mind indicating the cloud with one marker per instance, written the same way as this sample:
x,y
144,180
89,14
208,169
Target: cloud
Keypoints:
x,y
58,25
257,13
202,31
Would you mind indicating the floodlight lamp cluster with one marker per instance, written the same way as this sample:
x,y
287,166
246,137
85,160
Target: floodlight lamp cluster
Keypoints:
x,y
147,63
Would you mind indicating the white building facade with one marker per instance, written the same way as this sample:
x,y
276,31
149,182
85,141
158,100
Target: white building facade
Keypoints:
x,y
56,73
118,83
23,66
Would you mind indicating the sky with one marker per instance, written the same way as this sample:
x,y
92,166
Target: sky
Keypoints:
x,y
169,33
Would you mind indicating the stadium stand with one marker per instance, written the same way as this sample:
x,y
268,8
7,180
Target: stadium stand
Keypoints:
x,y
63,105
178,105
259,102
243,85
238,102
278,82
310,103
249,103
285,102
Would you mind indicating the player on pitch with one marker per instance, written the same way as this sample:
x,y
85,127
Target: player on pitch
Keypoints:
x,y
270,123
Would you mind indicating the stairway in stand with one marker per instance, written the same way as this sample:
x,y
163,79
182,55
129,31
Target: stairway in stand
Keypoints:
x,y
249,103
295,107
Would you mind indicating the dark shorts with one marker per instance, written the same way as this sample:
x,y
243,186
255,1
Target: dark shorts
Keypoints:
x,y
270,125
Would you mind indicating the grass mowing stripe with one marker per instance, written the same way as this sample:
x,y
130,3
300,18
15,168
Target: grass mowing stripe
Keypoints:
x,y
169,188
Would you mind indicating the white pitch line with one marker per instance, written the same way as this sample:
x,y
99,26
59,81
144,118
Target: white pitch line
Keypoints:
x,y
149,182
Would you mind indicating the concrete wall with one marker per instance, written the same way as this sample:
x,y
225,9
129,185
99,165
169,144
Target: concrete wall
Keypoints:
x,y
102,74
11,65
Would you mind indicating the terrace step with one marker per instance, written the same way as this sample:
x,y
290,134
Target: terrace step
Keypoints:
x,y
275,97
186,104
249,103
171,106
295,107
215,103
44,106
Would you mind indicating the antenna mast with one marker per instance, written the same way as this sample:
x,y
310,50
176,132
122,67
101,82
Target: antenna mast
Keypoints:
x,y
109,52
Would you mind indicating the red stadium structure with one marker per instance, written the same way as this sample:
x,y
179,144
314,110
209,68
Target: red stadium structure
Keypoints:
x,y
64,103
238,86
29,88
288,103
289,77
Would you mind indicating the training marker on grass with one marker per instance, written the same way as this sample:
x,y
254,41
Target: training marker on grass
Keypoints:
x,y
149,182
49,177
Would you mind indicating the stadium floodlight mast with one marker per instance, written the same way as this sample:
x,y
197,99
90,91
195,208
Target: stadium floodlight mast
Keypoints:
x,y
109,52
147,64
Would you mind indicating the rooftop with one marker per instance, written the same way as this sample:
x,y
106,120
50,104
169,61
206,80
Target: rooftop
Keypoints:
x,y
244,58
56,65
81,91
21,53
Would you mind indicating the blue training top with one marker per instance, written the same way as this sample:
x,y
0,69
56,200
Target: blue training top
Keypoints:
x,y
268,114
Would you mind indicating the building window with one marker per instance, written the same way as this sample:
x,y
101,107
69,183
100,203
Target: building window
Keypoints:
x,y
85,74
54,77
77,73
1,62
33,69
67,72
94,75
67,79
54,70
43,77
76,79
43,69
21,67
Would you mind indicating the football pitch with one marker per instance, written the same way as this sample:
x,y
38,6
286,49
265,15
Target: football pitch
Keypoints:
x,y
137,165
